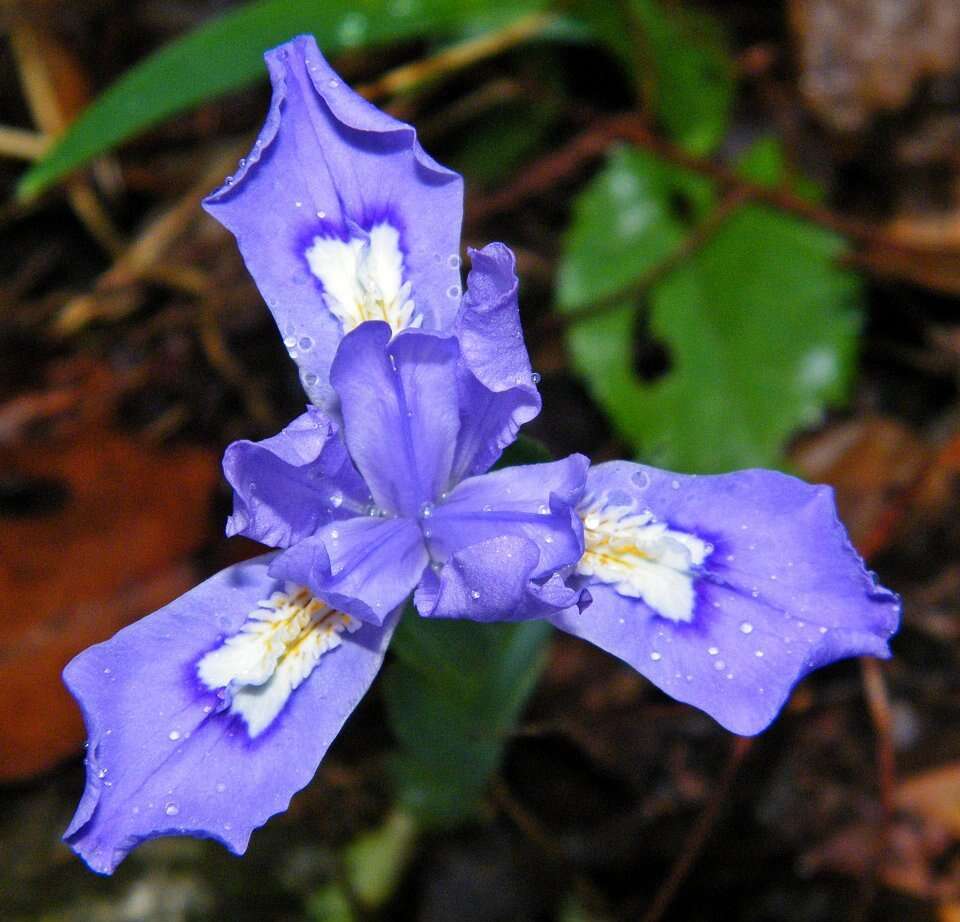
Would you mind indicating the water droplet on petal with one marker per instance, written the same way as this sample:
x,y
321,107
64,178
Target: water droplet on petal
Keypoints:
x,y
655,656
719,665
675,484
746,627
171,809
336,499
543,509
535,377
713,651
426,510
475,594
174,735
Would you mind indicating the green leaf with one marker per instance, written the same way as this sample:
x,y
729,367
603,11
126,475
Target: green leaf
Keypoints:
x,y
760,323
375,861
453,693
226,53
679,58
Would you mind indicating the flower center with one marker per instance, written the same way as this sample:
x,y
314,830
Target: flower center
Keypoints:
x,y
272,654
641,557
363,278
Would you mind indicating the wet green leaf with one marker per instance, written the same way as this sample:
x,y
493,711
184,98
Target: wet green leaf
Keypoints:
x,y
453,693
226,53
680,61
759,325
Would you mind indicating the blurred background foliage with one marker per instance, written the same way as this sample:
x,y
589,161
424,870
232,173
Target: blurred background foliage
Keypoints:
x,y
738,235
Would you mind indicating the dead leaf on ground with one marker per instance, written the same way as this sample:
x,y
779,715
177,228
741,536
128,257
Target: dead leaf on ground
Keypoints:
x,y
871,462
861,57
97,531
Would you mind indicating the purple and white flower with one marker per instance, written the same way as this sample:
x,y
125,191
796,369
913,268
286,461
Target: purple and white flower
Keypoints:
x,y
207,716
723,590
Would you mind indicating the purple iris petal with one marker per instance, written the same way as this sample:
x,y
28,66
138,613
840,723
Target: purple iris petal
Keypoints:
x,y
498,391
494,580
363,566
534,502
166,756
328,165
779,590
401,413
287,486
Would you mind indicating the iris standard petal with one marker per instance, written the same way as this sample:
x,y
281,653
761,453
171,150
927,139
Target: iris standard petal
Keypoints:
x,y
337,210
724,590
287,486
168,754
535,502
493,580
364,566
498,393
400,413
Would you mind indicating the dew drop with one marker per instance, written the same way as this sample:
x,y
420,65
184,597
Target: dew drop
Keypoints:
x,y
536,377
823,630
336,499
454,261
306,343
426,510
487,507
171,809
746,627
107,670
321,215
543,509
675,484
475,594
453,291
333,84
290,341
656,657
310,379
548,539
174,735
758,654
719,665
713,651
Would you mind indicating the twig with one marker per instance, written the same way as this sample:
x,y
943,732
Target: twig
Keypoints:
x,y
632,293
22,144
700,833
544,175
139,260
405,78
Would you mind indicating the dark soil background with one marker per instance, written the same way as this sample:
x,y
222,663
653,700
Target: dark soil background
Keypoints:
x,y
134,347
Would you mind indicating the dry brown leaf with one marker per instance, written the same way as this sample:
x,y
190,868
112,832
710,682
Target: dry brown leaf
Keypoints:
x,y
871,462
860,57
72,574
934,795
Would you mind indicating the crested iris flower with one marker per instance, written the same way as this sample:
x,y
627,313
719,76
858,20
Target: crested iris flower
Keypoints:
x,y
207,716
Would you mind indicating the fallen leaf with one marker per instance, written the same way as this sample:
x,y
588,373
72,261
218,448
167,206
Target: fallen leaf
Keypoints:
x,y
871,462
97,528
861,57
